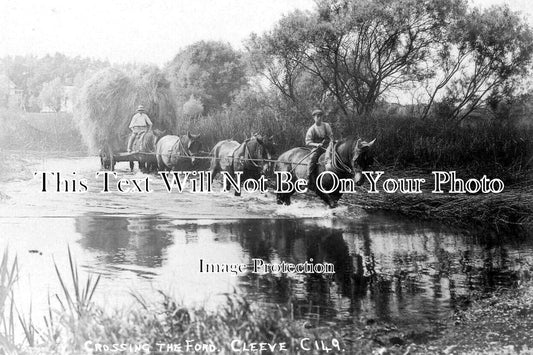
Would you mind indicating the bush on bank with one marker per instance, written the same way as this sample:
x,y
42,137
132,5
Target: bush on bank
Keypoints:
x,y
497,148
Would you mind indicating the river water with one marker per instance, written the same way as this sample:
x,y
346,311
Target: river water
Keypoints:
x,y
386,268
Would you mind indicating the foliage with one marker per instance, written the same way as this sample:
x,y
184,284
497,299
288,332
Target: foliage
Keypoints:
x,y
487,53
8,277
348,55
29,73
510,210
494,147
193,107
211,71
51,95
357,49
4,90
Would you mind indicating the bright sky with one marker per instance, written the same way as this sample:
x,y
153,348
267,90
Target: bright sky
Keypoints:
x,y
132,30
141,30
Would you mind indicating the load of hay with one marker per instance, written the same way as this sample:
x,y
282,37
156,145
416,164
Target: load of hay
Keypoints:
x,y
108,101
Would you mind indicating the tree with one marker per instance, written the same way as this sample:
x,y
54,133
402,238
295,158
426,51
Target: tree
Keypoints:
x,y
211,71
497,46
193,107
358,49
51,95
5,89
29,73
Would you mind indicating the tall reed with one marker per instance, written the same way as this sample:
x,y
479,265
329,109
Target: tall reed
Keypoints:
x,y
8,277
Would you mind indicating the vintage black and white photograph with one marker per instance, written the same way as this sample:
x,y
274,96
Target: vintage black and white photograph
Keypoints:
x,y
266,177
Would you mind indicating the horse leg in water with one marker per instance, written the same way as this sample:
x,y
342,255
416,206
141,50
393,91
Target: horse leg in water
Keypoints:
x,y
237,193
214,167
285,197
214,170
327,198
160,165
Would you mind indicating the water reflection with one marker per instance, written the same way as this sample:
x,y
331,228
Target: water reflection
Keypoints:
x,y
389,270
127,240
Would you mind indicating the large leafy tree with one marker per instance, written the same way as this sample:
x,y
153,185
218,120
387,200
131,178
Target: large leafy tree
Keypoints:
x,y
350,54
213,72
357,49
492,51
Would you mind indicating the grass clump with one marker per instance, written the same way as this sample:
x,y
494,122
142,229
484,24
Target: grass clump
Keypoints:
x,y
8,277
511,208
75,325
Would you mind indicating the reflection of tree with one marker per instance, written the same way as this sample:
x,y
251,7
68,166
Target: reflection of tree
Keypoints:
x,y
135,240
383,271
295,242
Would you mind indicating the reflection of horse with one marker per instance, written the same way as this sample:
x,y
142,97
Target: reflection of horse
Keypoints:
x,y
177,152
348,157
250,157
144,147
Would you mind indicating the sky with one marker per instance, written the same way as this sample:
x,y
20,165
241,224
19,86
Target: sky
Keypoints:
x,y
142,31
132,30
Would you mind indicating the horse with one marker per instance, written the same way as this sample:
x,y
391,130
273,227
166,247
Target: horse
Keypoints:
x,y
145,147
348,159
177,152
251,157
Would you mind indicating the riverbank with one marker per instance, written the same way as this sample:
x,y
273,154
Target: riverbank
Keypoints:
x,y
499,324
510,209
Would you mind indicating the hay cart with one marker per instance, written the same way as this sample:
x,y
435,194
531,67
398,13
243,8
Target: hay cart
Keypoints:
x,y
108,158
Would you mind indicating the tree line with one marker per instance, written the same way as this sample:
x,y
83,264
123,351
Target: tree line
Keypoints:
x,y
41,80
347,57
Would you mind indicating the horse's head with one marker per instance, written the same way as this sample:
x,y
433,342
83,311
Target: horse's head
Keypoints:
x,y
361,159
193,145
264,150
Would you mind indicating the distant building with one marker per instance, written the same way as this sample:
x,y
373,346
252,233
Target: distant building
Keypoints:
x,y
67,101
10,96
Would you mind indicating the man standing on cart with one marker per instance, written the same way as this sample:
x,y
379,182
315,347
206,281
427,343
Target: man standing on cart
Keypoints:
x,y
140,123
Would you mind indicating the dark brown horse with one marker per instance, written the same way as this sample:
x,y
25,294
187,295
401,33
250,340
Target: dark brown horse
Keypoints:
x,y
347,158
177,152
144,149
251,157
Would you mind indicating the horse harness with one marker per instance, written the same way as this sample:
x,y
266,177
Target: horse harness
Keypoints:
x,y
186,151
336,161
247,155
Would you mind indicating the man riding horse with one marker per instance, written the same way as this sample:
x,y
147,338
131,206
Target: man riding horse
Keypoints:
x,y
140,124
318,136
